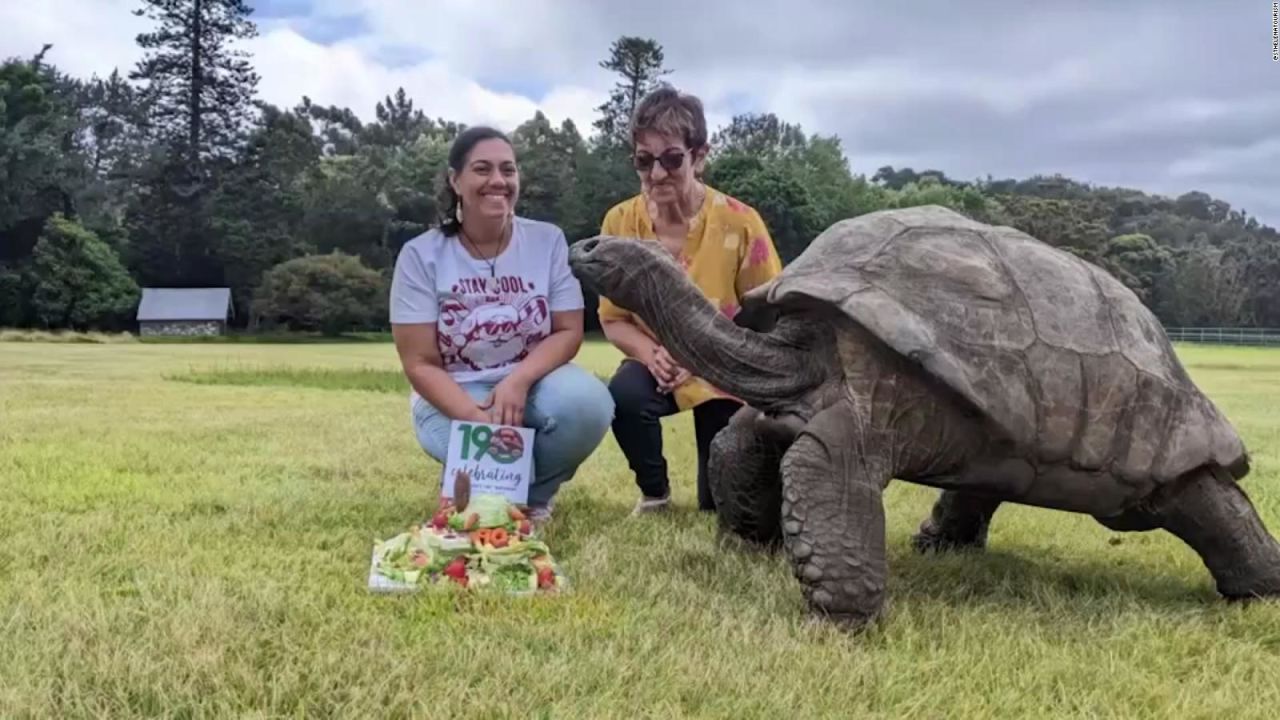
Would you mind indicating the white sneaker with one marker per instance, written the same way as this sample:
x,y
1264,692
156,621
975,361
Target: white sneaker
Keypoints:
x,y
648,504
539,516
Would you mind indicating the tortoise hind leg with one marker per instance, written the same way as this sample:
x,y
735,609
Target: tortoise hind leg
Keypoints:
x,y
743,474
1211,513
833,518
959,521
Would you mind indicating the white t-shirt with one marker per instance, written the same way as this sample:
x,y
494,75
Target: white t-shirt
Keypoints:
x,y
485,325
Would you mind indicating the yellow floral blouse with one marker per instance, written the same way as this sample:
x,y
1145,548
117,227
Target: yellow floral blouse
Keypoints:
x,y
727,253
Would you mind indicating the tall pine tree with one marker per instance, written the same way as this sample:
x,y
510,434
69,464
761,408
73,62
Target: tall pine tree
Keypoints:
x,y
639,63
200,90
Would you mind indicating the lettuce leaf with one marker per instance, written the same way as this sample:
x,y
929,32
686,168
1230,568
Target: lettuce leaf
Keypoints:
x,y
492,510
396,556
515,578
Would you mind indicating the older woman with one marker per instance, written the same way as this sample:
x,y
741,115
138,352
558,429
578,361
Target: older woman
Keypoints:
x,y
726,250
487,318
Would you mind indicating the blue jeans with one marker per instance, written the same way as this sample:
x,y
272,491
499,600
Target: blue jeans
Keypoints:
x,y
570,409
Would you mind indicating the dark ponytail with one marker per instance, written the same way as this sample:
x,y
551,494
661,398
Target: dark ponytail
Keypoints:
x,y
458,154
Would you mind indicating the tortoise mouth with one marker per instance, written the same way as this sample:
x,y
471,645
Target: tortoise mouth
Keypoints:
x,y
620,269
590,272
584,265
582,251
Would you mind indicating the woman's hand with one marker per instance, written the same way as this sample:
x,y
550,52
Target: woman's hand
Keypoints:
x,y
682,376
660,365
505,405
667,371
638,346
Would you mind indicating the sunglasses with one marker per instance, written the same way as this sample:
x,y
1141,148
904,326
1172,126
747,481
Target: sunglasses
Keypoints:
x,y
671,160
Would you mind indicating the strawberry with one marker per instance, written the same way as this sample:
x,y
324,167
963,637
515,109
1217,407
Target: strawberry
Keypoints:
x,y
546,577
457,569
525,527
440,520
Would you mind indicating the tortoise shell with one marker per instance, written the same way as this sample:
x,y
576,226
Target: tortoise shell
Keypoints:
x,y
1059,355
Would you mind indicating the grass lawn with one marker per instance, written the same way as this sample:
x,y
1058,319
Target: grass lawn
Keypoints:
x,y
178,546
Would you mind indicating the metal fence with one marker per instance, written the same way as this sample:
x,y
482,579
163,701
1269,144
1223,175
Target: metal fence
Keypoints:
x,y
1225,336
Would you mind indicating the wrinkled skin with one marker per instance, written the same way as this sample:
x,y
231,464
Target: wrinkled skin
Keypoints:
x,y
861,371
744,475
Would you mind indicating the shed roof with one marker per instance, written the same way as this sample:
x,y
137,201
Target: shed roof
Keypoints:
x,y
184,304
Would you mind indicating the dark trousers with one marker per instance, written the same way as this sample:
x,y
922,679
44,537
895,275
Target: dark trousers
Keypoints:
x,y
637,428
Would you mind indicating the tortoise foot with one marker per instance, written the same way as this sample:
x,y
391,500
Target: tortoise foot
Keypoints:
x,y
957,523
833,523
745,478
929,540
1210,512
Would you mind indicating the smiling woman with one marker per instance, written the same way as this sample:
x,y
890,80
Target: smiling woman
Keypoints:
x,y
487,319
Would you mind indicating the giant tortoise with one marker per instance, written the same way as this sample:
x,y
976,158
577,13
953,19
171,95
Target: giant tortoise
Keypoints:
x,y
921,345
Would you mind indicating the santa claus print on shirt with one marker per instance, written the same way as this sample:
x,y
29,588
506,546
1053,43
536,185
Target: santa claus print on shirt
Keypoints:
x,y
488,314
491,322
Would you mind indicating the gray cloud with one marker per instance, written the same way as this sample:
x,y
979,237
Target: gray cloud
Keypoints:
x,y
1167,97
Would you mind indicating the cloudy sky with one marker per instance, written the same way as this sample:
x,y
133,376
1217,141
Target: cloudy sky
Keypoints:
x,y
1165,96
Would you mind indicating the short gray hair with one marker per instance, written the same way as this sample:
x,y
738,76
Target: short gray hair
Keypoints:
x,y
671,112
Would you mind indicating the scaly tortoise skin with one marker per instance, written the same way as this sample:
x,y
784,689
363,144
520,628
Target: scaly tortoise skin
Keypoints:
x,y
921,345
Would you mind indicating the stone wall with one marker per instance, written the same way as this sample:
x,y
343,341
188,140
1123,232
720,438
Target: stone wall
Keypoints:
x,y
188,328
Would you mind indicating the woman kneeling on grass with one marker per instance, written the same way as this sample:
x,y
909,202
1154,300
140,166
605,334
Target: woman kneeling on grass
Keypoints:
x,y
726,251
487,317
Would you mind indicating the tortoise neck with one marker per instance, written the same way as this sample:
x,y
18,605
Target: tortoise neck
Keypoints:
x,y
765,370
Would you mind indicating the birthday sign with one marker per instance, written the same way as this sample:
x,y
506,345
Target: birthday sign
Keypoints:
x,y
499,459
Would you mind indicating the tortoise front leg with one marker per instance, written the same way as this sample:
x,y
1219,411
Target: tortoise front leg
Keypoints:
x,y
743,474
833,517
958,521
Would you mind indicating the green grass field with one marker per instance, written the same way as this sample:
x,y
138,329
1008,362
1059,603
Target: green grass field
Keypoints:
x,y
178,544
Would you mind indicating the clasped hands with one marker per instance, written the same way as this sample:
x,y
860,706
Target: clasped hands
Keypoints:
x,y
666,370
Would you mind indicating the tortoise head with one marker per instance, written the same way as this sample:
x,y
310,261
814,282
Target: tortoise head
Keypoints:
x,y
629,271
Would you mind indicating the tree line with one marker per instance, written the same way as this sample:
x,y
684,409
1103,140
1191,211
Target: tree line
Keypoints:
x,y
174,173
